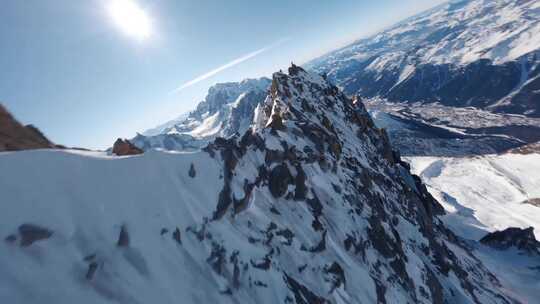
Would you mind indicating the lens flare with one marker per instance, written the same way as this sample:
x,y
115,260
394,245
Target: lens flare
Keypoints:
x,y
130,18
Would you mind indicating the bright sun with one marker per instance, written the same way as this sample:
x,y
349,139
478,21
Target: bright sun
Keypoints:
x,y
130,18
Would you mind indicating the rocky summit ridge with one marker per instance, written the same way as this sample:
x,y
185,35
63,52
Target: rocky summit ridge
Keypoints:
x,y
309,205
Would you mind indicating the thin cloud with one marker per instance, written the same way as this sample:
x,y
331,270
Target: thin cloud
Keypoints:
x,y
228,65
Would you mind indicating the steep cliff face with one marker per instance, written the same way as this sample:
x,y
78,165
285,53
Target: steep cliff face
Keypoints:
x,y
481,53
309,205
14,136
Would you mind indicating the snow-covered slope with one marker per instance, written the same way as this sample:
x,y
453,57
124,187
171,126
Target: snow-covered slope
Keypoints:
x,y
227,109
162,127
488,193
481,53
485,194
309,206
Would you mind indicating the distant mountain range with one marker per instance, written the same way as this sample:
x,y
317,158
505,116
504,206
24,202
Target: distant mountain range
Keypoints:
x,y
449,81
226,110
481,53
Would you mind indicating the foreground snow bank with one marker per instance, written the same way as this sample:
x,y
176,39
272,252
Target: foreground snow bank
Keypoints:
x,y
85,199
487,193
484,194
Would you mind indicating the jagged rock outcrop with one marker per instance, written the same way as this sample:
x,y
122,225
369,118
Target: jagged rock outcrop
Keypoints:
x,y
14,136
317,210
327,147
522,239
124,147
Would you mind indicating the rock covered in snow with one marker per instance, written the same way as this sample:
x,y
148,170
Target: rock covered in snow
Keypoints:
x,y
349,224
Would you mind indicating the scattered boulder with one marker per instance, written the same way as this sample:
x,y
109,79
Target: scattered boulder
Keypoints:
x,y
280,177
124,147
295,70
31,233
522,239
336,275
192,173
12,238
92,268
177,236
123,238
533,201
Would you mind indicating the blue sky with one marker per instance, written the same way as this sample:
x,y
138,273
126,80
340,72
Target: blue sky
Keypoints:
x,y
68,68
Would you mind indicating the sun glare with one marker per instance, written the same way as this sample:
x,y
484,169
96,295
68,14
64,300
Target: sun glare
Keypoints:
x,y
130,18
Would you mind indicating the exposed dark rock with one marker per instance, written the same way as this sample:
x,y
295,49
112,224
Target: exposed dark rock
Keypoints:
x,y
164,231
300,183
274,210
302,294
242,204
90,257
522,239
295,70
381,291
287,234
217,258
31,233
14,136
273,156
320,247
236,270
277,122
533,201
123,238
260,284
338,275
228,153
12,238
263,264
316,209
92,268
192,173
280,178
124,147
177,236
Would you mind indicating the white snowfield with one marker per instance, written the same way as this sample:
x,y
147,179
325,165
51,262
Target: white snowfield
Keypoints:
x,y
85,198
459,32
485,193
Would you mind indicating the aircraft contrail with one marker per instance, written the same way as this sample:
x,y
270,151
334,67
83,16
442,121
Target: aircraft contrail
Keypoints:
x,y
228,65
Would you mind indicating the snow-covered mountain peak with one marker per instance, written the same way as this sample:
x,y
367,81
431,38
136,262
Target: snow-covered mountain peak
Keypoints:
x,y
310,206
459,32
481,53
227,109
